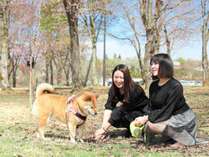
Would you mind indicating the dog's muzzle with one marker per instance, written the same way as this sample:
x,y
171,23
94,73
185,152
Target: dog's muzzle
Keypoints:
x,y
90,110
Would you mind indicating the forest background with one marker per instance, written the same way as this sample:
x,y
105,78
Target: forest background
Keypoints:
x,y
71,42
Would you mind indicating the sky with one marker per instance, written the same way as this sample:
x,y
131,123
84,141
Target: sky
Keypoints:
x,y
190,50
187,49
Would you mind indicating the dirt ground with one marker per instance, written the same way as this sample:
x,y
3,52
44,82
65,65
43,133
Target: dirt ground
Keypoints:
x,y
15,111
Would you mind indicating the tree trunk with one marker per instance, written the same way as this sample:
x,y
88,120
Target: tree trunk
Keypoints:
x,y
90,24
14,73
88,71
67,78
205,56
93,43
104,51
46,70
4,25
205,37
14,78
51,72
147,19
30,81
152,30
157,25
59,75
168,43
137,46
72,9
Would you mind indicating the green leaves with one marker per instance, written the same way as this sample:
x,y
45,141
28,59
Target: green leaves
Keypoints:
x,y
52,16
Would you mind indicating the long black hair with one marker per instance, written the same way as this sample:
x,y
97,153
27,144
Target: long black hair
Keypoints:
x,y
128,82
166,69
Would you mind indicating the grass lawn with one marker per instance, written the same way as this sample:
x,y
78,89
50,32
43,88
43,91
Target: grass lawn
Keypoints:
x,y
18,126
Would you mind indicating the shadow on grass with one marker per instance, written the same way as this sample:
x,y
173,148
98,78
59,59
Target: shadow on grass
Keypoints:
x,y
55,136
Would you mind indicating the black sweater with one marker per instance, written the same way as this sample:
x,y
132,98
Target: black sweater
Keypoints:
x,y
137,101
166,100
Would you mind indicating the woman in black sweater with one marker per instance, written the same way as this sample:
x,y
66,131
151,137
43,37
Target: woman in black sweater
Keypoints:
x,y
126,101
169,114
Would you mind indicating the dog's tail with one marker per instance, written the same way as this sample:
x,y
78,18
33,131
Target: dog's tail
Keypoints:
x,y
44,87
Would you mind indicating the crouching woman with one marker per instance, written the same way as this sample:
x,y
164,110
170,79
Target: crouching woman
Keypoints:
x,y
169,114
132,99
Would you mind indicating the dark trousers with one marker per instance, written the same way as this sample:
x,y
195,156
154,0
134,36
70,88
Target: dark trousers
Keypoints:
x,y
122,119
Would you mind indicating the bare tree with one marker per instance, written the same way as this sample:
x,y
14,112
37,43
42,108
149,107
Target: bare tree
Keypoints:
x,y
161,16
178,22
167,41
104,50
92,19
150,15
15,58
205,37
72,11
49,71
135,42
4,29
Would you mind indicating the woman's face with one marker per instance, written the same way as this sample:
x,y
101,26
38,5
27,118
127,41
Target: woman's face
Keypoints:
x,y
154,67
118,79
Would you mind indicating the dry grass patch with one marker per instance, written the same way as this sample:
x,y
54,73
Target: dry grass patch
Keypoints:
x,y
17,131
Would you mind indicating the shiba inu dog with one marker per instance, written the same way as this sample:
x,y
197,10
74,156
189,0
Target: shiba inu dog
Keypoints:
x,y
70,110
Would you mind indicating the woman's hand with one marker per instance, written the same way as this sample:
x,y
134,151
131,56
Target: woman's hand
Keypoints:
x,y
140,120
100,134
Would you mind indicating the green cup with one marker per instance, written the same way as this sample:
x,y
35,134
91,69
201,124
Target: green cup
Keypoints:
x,y
136,131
